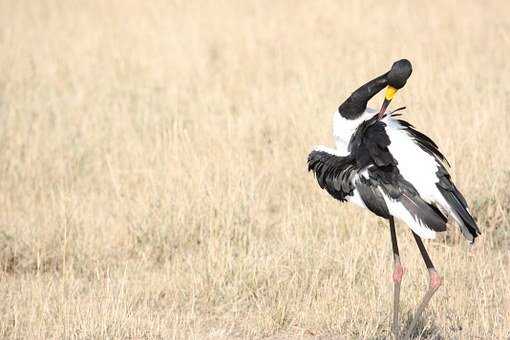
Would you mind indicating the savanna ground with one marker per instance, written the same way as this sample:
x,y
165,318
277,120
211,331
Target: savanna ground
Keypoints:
x,y
153,177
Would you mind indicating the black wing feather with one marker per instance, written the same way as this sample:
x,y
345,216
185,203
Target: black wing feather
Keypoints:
x,y
458,203
369,144
333,173
372,197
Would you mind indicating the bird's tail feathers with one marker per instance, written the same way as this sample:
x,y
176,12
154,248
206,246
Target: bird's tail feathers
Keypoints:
x,y
460,212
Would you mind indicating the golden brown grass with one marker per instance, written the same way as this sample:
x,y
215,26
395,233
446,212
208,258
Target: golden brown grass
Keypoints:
x,y
153,180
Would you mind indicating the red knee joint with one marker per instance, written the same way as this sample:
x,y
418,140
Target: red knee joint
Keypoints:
x,y
435,280
398,273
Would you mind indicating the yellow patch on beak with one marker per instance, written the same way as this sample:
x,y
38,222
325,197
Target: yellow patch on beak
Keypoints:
x,y
390,92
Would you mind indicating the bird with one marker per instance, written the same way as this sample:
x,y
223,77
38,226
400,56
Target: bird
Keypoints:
x,y
384,164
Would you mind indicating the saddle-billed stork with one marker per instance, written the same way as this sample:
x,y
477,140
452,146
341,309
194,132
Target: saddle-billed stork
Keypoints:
x,y
384,164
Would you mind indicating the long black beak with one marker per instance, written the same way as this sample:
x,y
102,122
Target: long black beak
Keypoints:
x,y
384,106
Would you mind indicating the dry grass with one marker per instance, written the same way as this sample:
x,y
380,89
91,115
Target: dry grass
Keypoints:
x,y
153,180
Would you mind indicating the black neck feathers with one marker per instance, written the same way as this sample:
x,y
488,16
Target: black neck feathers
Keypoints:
x,y
356,104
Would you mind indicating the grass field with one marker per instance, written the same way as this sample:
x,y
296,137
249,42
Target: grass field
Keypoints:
x,y
153,177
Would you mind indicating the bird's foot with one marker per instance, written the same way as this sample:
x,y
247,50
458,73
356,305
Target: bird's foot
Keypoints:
x,y
396,332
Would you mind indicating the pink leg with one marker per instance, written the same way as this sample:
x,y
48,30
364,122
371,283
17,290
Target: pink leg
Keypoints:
x,y
398,273
435,281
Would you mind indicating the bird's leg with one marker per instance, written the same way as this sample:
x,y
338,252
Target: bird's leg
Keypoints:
x,y
398,272
435,282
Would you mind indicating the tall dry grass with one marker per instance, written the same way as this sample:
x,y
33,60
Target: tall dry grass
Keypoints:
x,y
153,177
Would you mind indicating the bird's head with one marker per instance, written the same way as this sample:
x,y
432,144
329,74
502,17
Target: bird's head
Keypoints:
x,y
396,78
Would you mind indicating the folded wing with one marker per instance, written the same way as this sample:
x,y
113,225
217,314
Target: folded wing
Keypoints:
x,y
371,173
421,163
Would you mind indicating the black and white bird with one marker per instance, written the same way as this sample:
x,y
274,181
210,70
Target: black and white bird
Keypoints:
x,y
384,164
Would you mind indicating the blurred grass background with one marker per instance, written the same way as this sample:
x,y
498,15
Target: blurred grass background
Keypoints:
x,y
153,176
